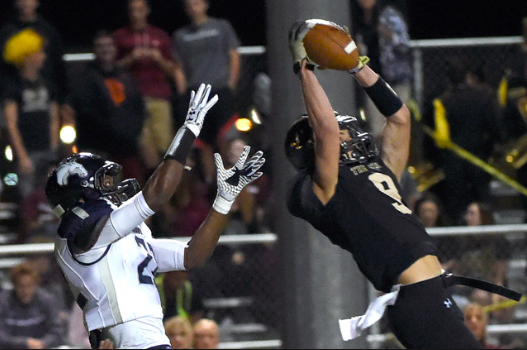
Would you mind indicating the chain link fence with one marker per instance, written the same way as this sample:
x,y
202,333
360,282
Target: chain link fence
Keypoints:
x,y
240,286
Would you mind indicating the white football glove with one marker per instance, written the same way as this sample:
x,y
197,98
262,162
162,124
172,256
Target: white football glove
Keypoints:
x,y
198,108
232,181
296,44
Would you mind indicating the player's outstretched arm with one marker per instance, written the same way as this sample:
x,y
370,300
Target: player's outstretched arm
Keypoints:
x,y
395,145
230,184
166,178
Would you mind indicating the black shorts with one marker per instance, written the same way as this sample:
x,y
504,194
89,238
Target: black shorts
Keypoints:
x,y
425,316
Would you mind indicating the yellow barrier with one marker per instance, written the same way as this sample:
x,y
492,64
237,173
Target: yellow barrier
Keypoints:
x,y
504,304
442,138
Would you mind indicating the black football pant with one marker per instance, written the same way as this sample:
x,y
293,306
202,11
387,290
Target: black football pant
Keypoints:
x,y
425,316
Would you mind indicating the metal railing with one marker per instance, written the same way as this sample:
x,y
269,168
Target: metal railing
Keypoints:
x,y
39,248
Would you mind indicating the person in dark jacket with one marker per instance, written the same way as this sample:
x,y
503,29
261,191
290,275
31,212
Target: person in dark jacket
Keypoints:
x,y
109,109
472,118
28,316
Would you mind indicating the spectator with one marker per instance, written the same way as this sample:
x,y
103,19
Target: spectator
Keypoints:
x,y
430,212
244,208
248,211
28,316
179,297
30,106
473,125
36,218
233,265
145,51
54,68
206,51
485,257
518,58
109,109
206,334
190,204
476,319
513,103
179,331
381,33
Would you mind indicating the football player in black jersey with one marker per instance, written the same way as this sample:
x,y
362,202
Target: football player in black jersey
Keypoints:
x,y
348,189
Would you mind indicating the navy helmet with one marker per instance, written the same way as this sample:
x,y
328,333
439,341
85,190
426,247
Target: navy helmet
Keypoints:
x,y
81,177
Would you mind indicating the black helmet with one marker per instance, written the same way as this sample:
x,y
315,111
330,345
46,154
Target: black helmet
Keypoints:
x,y
300,144
362,144
80,176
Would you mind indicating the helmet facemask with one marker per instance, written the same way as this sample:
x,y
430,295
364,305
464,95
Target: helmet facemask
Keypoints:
x,y
361,147
115,192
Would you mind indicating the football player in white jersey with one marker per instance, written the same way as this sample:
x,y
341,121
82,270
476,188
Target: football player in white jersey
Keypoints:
x,y
106,250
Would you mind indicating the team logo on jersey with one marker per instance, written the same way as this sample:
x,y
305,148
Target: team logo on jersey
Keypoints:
x,y
374,166
70,168
359,169
448,303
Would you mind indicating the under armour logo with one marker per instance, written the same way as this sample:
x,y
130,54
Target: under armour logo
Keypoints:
x,y
234,180
448,303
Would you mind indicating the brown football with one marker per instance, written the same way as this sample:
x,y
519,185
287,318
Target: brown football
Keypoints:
x,y
331,47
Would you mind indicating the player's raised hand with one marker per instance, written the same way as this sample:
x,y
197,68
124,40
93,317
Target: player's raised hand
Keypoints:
x,y
232,181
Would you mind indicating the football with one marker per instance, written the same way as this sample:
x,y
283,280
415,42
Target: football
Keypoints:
x,y
330,46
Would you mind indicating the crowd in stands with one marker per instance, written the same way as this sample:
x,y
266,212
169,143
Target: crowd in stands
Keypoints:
x,y
126,104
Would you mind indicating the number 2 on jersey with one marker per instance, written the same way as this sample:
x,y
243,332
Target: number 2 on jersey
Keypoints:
x,y
145,276
385,184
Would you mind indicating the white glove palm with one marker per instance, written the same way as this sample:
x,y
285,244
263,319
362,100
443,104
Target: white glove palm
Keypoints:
x,y
198,108
296,44
232,181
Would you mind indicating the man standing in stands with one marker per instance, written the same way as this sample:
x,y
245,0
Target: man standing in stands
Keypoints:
x,y
206,51
145,51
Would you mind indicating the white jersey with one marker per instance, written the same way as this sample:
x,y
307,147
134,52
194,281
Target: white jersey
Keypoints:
x,y
114,281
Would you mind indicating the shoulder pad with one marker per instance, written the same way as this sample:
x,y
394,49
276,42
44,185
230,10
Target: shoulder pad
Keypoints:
x,y
83,218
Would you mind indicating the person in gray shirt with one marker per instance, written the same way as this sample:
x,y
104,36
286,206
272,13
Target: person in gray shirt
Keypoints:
x,y
206,52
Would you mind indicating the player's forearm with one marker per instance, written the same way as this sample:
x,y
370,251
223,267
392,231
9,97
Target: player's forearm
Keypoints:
x,y
180,80
204,241
366,77
234,69
167,66
163,183
54,126
318,107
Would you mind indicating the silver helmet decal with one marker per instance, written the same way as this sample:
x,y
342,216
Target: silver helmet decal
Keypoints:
x,y
70,168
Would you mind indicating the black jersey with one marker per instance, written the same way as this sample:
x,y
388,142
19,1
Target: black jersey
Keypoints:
x,y
368,218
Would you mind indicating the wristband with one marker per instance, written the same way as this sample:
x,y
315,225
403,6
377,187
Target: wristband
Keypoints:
x,y
181,145
384,98
222,205
297,66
